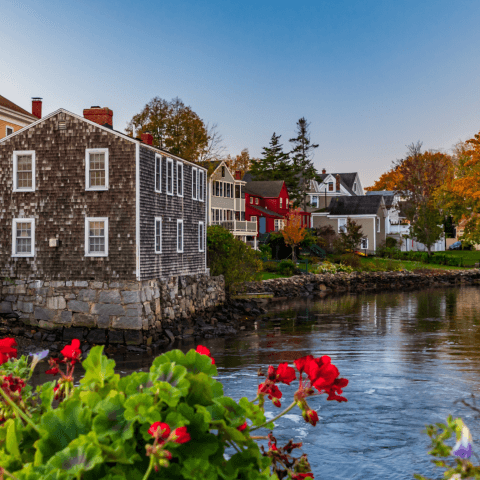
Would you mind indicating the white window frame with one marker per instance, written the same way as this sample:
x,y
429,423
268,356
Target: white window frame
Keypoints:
x,y
158,173
9,127
315,201
87,236
362,245
342,222
89,151
377,220
256,201
158,220
170,166
195,183
253,219
179,179
201,184
281,202
201,237
180,249
333,186
277,225
14,237
251,200
16,154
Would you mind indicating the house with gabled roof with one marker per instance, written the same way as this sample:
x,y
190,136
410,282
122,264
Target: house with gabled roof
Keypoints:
x,y
13,117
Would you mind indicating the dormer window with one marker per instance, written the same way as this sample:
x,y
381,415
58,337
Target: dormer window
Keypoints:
x,y
96,169
330,187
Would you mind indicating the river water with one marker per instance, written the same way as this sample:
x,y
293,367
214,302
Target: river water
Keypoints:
x,y
408,356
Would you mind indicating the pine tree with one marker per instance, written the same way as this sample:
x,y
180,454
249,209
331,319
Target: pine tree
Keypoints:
x,y
302,155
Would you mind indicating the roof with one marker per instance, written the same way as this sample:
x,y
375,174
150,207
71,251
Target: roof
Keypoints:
x,y
388,196
210,166
266,211
4,102
248,177
346,179
269,189
358,205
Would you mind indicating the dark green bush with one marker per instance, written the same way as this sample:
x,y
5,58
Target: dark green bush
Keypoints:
x,y
286,267
351,260
390,242
271,267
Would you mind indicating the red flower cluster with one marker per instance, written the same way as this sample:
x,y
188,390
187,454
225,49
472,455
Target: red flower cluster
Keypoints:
x,y
283,374
205,351
242,427
274,394
302,476
6,349
12,384
72,352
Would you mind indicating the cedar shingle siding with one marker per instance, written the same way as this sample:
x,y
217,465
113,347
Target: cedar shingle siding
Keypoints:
x,y
170,208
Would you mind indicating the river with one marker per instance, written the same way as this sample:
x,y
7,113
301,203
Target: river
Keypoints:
x,y
408,357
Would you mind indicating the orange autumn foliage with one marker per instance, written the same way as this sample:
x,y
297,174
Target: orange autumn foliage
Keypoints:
x,y
293,232
388,181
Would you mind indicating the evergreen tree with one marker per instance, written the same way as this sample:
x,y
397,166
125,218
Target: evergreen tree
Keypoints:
x,y
302,155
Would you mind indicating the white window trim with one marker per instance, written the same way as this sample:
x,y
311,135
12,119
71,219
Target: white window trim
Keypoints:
x,y
201,237
14,236
180,250
344,224
377,221
16,154
194,184
253,219
158,219
6,130
87,222
180,170
88,151
159,159
361,243
201,184
170,162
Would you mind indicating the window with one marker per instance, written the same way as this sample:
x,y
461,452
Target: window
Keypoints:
x,y
281,202
342,224
194,183
355,187
221,188
179,236
8,131
223,171
180,179
23,241
228,190
256,201
158,173
96,169
314,201
364,243
278,225
286,203
158,234
330,186
251,200
24,171
378,223
217,215
96,237
169,176
201,184
253,219
217,189
201,237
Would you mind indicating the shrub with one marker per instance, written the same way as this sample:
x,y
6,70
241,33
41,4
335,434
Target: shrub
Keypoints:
x,y
286,267
265,251
351,260
327,267
390,242
271,267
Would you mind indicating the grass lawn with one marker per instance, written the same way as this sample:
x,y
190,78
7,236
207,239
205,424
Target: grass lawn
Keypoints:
x,y
406,264
470,257
269,275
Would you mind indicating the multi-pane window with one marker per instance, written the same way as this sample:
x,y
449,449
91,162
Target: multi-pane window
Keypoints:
x,y
169,176
180,179
158,173
96,237
201,184
96,171
278,225
195,183
314,201
364,243
23,241
330,186
158,234
253,219
24,171
179,236
201,237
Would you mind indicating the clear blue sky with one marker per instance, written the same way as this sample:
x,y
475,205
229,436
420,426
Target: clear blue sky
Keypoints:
x,y
370,76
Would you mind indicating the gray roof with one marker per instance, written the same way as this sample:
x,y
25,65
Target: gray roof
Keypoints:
x,y
248,177
388,196
264,189
358,205
266,211
346,179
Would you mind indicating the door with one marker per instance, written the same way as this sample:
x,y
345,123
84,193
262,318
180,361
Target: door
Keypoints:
x,y
263,225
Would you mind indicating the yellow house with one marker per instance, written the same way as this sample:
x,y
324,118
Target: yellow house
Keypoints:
x,y
13,117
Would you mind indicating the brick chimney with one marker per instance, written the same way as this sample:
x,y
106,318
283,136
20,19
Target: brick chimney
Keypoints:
x,y
147,138
102,116
324,171
337,178
238,175
37,107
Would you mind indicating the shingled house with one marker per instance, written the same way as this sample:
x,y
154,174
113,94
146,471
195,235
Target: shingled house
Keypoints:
x,y
82,205
13,117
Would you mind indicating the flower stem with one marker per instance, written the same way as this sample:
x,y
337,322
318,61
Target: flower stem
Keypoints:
x,y
275,418
149,470
8,474
18,411
259,437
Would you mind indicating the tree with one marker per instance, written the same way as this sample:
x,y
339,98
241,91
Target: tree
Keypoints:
x,y
214,149
349,238
302,155
175,127
241,162
428,227
387,181
293,232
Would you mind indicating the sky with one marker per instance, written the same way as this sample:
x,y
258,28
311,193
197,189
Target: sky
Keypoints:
x,y
371,76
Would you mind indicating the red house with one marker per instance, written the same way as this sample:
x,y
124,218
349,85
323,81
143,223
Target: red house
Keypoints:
x,y
267,203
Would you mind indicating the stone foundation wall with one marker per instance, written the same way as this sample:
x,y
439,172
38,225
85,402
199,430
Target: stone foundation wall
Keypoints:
x,y
131,313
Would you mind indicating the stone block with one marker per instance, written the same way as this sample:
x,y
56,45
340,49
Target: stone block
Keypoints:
x,y
80,284
97,285
77,306
148,293
112,296
44,314
132,286
69,283
134,311
56,303
133,337
57,284
127,323
70,333
20,289
116,285
147,308
115,337
103,321
108,309
87,295
48,325
65,318
26,307
36,284
82,320
97,335
131,296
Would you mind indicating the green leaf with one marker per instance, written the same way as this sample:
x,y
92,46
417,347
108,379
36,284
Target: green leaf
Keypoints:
x,y
200,389
110,419
134,383
98,370
194,468
13,439
140,407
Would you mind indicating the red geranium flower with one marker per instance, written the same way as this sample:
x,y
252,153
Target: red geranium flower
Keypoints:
x,y
205,351
160,430
273,392
241,428
336,388
6,349
11,384
285,374
302,476
181,435
72,352
310,416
